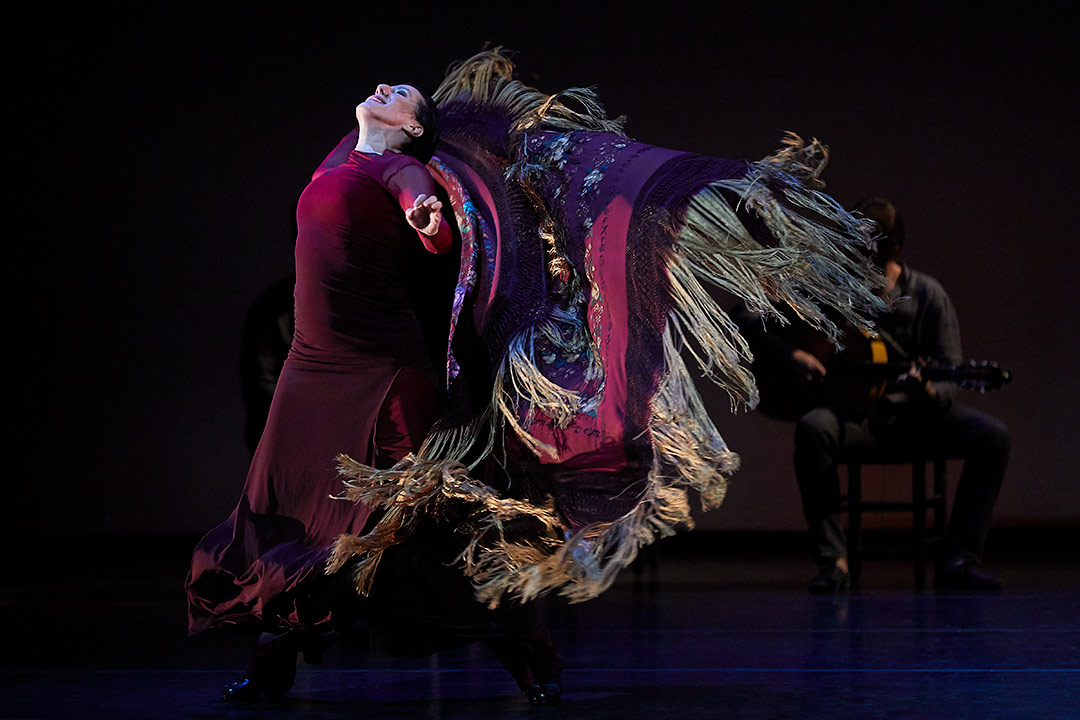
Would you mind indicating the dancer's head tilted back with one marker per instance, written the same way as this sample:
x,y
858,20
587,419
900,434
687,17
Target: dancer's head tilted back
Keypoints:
x,y
400,118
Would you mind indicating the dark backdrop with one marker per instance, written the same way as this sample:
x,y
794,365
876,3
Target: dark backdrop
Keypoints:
x,y
159,154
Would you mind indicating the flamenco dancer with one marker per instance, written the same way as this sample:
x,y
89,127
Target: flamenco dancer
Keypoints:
x,y
359,379
571,433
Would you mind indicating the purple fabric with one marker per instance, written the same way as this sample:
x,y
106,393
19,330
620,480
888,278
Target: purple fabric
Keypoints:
x,y
613,200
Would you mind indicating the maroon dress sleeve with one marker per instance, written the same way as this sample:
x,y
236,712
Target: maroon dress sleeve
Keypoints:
x,y
407,179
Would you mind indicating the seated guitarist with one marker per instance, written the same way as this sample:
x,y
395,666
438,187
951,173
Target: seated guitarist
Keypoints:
x,y
911,412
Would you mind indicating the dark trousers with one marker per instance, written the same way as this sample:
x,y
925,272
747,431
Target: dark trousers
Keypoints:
x,y
821,436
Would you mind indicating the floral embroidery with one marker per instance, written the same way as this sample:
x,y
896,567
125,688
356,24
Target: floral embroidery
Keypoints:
x,y
470,224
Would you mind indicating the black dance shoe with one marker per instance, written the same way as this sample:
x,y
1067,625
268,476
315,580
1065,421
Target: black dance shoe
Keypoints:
x,y
272,673
966,576
543,693
312,646
248,689
829,581
243,690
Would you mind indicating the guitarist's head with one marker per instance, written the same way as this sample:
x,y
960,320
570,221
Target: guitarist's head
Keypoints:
x,y
890,226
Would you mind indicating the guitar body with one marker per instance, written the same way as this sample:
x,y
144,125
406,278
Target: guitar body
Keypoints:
x,y
856,375
848,389
788,390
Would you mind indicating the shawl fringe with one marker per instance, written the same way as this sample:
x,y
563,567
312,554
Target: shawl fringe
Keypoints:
x,y
822,256
415,488
819,260
486,80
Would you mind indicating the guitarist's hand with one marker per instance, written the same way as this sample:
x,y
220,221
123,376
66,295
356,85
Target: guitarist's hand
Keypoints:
x,y
917,387
813,367
912,381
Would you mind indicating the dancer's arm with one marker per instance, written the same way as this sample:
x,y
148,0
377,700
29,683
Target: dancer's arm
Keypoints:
x,y
415,191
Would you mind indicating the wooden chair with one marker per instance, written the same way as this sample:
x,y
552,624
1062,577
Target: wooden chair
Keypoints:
x,y
924,538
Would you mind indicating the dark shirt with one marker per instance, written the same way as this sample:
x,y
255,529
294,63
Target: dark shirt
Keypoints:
x,y
921,324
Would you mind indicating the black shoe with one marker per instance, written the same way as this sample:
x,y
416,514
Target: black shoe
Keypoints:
x,y
312,647
249,689
543,693
966,576
830,581
272,673
243,690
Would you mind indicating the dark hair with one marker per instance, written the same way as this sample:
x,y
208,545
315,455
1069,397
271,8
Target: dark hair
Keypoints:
x,y
890,235
423,147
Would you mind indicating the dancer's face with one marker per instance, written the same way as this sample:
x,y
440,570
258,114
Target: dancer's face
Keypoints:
x,y
393,106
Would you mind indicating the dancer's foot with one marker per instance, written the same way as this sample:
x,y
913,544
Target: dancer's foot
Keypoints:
x,y
314,645
243,690
272,673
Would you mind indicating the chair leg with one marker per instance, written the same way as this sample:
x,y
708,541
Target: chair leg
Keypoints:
x,y
941,467
918,522
854,540
922,535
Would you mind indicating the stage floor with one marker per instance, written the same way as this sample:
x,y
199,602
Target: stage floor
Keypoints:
x,y
723,630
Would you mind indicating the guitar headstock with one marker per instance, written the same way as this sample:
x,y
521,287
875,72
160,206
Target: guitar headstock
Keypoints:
x,y
981,376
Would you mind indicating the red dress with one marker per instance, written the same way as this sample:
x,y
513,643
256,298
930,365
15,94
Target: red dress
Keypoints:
x,y
357,335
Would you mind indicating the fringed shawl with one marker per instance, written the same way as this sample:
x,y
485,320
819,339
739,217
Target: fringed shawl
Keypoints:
x,y
585,262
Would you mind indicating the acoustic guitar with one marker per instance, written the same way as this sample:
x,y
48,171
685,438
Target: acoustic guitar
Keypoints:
x,y
855,378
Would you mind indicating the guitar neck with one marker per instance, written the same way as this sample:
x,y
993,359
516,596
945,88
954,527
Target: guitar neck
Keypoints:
x,y
977,376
